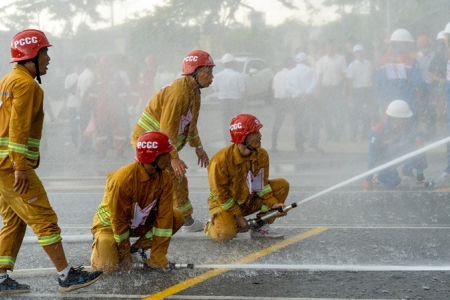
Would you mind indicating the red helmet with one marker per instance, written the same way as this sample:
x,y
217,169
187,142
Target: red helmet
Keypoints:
x,y
27,43
151,144
242,125
195,59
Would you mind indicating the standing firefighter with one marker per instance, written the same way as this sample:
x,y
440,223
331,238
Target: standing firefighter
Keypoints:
x,y
239,184
174,110
23,200
138,202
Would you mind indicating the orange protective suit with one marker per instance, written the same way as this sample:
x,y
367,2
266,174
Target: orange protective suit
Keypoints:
x,y
174,110
135,204
232,193
21,121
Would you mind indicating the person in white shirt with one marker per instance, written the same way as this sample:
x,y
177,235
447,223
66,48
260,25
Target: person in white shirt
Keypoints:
x,y
331,69
427,101
72,102
84,86
301,83
230,85
360,74
282,101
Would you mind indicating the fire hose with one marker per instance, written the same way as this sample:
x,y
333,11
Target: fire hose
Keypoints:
x,y
261,220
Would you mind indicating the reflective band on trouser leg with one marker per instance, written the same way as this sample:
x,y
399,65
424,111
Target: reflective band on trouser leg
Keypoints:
x,y
162,232
49,240
7,262
181,195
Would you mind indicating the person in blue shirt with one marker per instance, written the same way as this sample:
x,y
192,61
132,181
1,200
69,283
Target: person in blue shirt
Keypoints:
x,y
392,138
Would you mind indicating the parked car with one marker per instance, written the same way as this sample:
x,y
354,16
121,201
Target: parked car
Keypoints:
x,y
258,79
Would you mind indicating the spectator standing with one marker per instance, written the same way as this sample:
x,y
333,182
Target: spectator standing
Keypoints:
x,y
427,99
230,85
282,102
73,103
360,74
162,77
84,85
331,69
398,75
301,83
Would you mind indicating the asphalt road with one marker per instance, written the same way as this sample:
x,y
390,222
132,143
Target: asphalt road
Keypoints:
x,y
347,244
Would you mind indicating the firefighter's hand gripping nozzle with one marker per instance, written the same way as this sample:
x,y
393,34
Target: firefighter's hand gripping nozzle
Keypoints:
x,y
260,221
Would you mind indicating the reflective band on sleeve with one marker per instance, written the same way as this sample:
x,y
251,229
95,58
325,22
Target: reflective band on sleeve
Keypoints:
x,y
265,190
103,216
161,232
147,122
264,208
149,235
185,207
7,260
4,153
34,142
4,141
19,148
121,237
49,240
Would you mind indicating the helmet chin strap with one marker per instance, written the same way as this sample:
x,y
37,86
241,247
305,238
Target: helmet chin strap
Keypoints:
x,y
247,146
196,79
155,166
36,65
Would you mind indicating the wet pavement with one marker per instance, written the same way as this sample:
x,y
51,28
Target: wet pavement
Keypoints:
x,y
383,244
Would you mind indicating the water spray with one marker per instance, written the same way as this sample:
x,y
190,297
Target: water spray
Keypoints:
x,y
261,220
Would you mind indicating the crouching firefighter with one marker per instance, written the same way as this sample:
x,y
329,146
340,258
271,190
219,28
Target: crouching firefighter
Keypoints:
x,y
138,202
239,184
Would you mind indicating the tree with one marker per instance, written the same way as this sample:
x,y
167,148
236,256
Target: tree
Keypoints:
x,y
27,13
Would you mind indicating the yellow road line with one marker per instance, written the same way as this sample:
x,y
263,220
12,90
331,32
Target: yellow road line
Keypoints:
x,y
252,257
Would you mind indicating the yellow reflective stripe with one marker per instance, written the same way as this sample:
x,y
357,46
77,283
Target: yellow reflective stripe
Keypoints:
x,y
34,142
121,237
180,142
185,207
227,205
149,235
103,216
162,232
265,190
32,154
49,240
4,153
264,208
19,148
7,260
147,122
4,141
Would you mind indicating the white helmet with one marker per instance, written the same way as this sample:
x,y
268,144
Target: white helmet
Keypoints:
x,y
441,35
399,109
447,28
401,35
227,58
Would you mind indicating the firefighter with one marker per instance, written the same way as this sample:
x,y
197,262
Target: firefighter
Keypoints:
x,y
393,137
239,184
174,110
138,202
23,200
